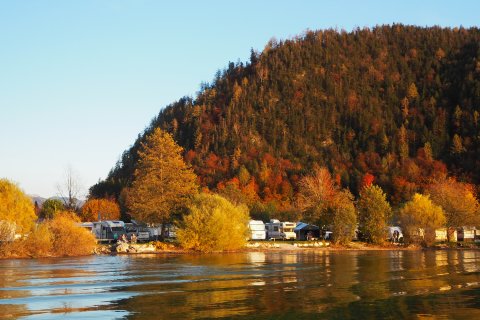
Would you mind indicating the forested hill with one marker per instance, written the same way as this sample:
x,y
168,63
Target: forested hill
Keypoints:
x,y
395,104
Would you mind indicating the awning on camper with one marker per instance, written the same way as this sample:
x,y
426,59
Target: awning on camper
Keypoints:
x,y
302,230
305,227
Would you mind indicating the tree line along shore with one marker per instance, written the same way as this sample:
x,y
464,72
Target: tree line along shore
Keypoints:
x,y
165,189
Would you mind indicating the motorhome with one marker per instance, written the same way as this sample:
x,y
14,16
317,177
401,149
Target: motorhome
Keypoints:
x,y
169,231
140,230
257,230
109,230
88,226
280,230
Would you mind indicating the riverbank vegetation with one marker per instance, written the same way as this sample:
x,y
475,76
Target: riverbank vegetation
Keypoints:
x,y
23,235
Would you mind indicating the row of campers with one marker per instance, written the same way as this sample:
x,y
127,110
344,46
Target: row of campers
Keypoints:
x,y
114,230
277,230
272,230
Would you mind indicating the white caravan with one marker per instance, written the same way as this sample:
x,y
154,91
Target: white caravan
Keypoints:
x,y
257,230
280,230
109,230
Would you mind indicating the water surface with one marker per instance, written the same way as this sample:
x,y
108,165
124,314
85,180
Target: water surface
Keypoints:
x,y
254,285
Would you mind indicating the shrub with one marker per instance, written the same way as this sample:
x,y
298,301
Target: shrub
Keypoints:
x,y
60,236
419,219
213,224
68,238
39,242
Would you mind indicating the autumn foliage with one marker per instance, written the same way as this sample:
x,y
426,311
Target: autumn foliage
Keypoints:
x,y
419,218
323,203
163,182
16,207
100,209
59,236
458,201
213,224
392,105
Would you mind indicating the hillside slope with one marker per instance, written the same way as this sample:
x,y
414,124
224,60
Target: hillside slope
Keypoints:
x,y
396,104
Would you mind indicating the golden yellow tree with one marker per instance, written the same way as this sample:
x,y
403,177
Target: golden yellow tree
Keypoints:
x,y
16,207
458,201
107,209
421,215
162,183
213,224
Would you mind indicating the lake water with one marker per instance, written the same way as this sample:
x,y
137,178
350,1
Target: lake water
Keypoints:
x,y
254,285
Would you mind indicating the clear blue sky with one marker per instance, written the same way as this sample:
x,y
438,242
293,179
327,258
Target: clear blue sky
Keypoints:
x,y
79,80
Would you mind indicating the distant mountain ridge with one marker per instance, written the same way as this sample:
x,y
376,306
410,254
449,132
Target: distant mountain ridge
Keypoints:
x,y
40,200
398,105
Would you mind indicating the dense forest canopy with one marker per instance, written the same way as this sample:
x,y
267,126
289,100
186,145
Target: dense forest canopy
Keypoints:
x,y
397,105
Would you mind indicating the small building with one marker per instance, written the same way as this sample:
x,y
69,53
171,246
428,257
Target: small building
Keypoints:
x,y
304,230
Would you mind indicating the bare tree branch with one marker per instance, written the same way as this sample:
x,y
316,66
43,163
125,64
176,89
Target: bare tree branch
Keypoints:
x,y
70,189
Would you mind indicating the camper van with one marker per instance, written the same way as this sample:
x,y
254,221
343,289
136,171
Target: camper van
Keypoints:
x,y
140,230
169,231
110,230
257,230
280,230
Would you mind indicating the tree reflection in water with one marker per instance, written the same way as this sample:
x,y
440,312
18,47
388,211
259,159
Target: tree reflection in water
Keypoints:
x,y
253,285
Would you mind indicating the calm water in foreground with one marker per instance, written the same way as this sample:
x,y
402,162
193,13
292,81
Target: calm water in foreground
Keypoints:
x,y
255,285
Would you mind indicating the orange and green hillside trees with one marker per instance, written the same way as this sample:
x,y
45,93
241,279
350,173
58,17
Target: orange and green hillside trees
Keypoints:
x,y
15,207
162,183
103,209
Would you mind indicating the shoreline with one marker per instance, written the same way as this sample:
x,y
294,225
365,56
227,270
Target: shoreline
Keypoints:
x,y
157,248
149,248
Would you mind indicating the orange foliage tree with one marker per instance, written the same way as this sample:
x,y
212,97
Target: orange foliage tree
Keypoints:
x,y
107,209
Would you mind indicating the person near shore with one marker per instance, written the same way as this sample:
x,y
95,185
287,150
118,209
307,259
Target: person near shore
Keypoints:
x,y
133,238
309,235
